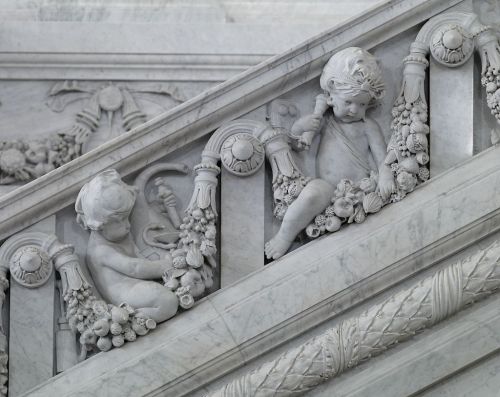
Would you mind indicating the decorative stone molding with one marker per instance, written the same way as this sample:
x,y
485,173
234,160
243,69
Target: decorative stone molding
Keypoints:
x,y
30,267
28,263
451,45
372,332
34,65
202,115
466,217
242,154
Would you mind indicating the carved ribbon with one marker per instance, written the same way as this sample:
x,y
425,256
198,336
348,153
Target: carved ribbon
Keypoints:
x,y
375,330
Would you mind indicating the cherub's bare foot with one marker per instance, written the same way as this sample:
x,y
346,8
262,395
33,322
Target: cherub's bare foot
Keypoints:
x,y
276,247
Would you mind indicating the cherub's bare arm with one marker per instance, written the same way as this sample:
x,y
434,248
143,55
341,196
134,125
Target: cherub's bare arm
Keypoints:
x,y
376,141
130,266
378,147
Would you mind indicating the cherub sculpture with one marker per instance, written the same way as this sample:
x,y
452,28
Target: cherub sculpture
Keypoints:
x,y
351,147
120,275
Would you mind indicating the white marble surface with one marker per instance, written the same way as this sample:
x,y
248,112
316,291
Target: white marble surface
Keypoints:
x,y
242,223
31,334
239,323
481,379
451,114
234,326
202,114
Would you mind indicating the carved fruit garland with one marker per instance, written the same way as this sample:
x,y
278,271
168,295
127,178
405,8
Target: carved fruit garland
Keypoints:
x,y
351,202
101,325
191,276
489,51
408,149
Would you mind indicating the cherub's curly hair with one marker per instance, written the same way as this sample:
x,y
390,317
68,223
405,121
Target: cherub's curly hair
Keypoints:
x,y
103,198
353,69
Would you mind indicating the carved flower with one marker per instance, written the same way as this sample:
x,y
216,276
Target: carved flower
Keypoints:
x,y
343,207
100,308
12,160
422,158
406,181
186,301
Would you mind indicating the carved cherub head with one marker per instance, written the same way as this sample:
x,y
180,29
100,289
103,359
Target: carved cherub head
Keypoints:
x,y
352,79
104,205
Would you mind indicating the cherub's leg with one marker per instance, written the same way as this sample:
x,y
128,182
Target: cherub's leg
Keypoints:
x,y
312,200
152,300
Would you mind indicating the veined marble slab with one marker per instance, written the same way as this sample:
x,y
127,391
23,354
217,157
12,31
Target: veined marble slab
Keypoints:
x,y
314,283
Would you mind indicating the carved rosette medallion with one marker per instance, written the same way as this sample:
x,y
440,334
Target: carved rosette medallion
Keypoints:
x,y
110,98
451,45
30,266
242,154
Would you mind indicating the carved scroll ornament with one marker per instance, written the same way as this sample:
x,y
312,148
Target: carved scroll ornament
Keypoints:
x,y
375,330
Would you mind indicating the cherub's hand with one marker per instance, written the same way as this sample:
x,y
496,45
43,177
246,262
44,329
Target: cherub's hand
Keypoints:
x,y
386,185
304,141
310,122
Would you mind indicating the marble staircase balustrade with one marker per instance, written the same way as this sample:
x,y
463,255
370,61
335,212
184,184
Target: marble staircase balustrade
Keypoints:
x,y
235,325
